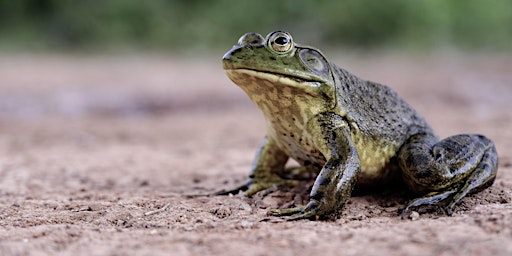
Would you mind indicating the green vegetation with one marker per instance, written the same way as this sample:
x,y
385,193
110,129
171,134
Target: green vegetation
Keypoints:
x,y
177,25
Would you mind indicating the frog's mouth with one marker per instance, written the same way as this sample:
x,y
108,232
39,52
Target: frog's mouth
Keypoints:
x,y
245,77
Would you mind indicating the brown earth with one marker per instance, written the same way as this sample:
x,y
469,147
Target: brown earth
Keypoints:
x,y
117,155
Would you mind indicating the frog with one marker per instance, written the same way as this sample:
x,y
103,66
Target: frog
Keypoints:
x,y
347,132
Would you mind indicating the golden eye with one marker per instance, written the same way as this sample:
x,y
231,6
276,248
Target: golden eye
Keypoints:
x,y
280,42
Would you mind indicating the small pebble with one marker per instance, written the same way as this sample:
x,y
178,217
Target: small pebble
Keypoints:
x,y
246,224
414,215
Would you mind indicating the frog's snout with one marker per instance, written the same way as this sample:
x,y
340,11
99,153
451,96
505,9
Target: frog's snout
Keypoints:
x,y
229,58
236,54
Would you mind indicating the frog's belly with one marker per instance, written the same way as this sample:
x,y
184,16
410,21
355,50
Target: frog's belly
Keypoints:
x,y
302,152
375,158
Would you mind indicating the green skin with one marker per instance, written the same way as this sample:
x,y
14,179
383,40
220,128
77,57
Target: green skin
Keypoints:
x,y
348,130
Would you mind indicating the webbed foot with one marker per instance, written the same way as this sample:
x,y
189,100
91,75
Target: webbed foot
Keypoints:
x,y
440,199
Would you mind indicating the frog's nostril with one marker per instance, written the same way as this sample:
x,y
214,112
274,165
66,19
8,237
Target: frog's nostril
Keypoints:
x,y
251,38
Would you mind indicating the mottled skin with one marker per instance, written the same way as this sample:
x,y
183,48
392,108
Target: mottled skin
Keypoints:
x,y
348,130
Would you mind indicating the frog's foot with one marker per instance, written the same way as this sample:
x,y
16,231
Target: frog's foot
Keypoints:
x,y
432,199
311,210
253,186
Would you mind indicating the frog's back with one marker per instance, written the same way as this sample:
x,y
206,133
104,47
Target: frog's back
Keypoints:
x,y
376,109
380,121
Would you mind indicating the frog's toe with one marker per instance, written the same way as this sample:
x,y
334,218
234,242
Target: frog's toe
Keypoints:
x,y
285,212
252,187
234,191
257,187
311,210
436,198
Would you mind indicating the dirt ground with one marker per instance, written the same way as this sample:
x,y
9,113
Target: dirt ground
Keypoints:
x,y
118,155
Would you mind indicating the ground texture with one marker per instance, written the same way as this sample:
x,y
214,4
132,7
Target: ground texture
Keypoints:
x,y
119,155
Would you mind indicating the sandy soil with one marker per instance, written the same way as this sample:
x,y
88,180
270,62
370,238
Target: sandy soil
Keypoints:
x,y
117,156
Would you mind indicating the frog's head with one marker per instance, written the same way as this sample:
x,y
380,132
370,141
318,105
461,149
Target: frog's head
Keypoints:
x,y
267,67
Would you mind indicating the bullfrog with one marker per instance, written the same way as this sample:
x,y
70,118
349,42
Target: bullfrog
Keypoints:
x,y
347,131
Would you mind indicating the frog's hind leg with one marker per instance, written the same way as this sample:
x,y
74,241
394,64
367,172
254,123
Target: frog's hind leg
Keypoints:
x,y
482,177
446,171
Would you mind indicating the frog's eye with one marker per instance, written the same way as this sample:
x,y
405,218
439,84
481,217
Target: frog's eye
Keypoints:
x,y
280,42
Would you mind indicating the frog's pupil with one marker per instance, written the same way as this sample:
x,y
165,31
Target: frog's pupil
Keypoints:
x,y
281,40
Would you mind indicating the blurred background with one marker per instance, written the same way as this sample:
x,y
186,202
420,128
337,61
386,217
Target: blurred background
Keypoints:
x,y
130,57
191,25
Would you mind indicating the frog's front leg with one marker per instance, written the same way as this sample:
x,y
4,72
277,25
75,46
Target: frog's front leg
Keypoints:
x,y
265,172
335,182
446,171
